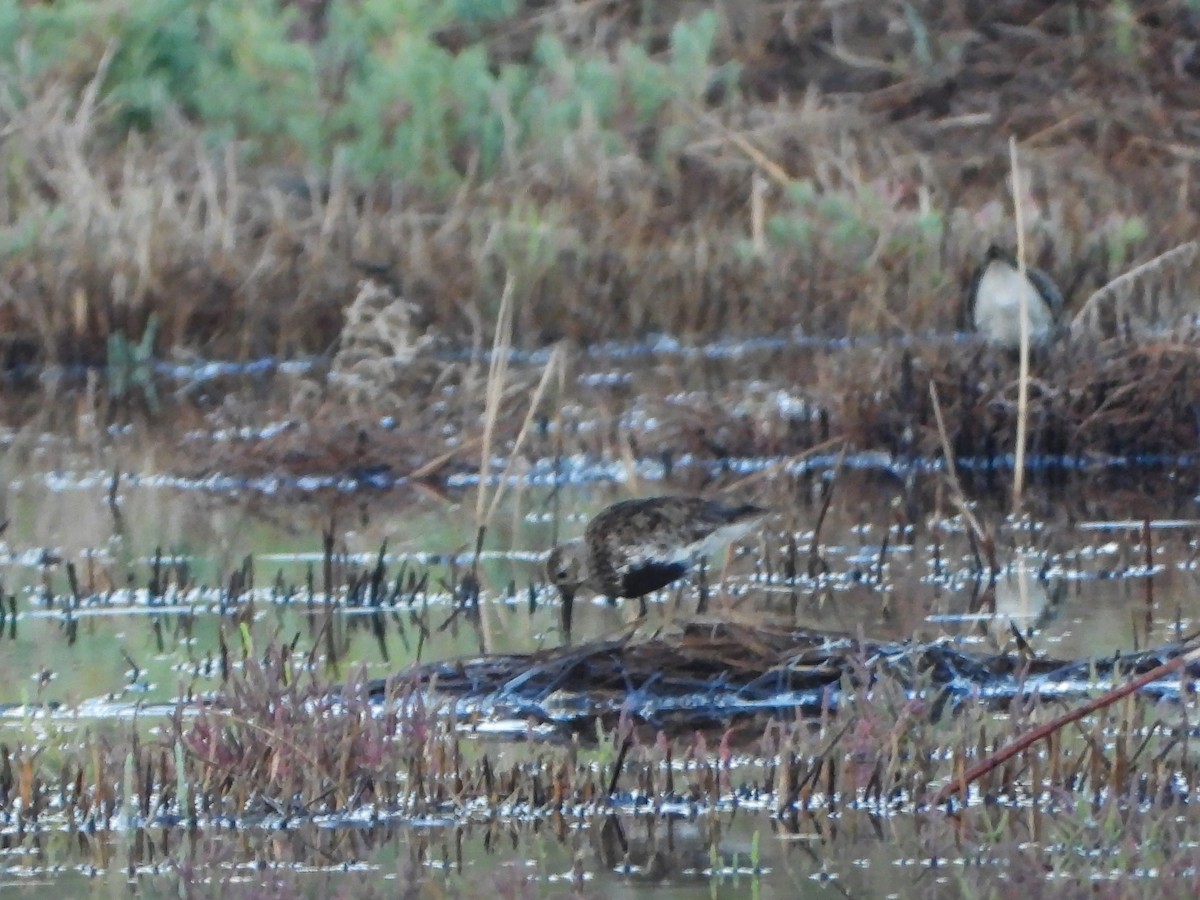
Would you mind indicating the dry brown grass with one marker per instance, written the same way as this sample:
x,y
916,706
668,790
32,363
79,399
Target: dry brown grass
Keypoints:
x,y
895,124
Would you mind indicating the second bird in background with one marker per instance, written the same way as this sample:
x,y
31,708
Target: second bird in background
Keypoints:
x,y
994,301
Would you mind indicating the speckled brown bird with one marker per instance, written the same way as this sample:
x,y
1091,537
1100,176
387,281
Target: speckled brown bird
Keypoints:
x,y
994,301
635,547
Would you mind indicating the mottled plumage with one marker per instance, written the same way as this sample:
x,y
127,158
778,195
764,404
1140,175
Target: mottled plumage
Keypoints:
x,y
635,547
994,301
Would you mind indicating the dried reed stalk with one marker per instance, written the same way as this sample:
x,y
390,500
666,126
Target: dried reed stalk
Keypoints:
x,y
553,364
1023,376
494,393
957,495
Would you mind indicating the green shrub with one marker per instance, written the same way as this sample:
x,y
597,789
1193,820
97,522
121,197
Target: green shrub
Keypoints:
x,y
254,81
377,86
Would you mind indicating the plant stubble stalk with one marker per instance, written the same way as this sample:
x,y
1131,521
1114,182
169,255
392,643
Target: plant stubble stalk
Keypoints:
x,y
1023,314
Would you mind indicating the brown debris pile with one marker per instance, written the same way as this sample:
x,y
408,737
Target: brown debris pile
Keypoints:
x,y
714,672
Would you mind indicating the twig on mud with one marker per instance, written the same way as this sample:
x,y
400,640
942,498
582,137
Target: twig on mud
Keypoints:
x,y
771,470
957,495
438,461
773,169
1027,740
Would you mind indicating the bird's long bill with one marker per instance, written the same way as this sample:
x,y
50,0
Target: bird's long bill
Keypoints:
x,y
568,605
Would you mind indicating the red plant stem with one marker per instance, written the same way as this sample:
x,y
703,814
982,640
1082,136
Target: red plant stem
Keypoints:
x,y
1027,740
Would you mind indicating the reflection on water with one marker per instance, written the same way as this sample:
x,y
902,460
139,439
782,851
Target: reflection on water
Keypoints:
x,y
718,854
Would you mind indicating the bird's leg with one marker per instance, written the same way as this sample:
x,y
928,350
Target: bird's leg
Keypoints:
x,y
702,586
568,604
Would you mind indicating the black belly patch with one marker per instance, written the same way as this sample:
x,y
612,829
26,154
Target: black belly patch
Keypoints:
x,y
650,577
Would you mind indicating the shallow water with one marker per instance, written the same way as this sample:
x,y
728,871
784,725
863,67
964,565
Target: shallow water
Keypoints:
x,y
635,855
1102,561
1079,589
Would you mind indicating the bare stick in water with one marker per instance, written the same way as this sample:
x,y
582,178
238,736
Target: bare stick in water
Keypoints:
x,y
1023,377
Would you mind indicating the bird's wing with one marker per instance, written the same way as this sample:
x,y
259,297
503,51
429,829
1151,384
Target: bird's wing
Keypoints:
x,y
1045,286
622,556
635,534
671,532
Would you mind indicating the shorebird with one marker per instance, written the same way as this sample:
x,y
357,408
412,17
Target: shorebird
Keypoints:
x,y
635,547
994,301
